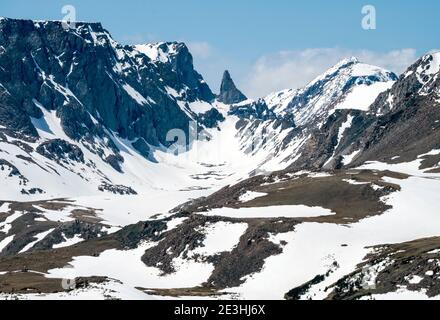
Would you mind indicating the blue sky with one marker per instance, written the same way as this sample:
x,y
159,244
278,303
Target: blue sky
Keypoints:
x,y
289,40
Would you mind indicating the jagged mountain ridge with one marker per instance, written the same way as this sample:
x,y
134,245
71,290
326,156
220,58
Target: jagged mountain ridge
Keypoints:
x,y
146,90
78,89
85,70
109,98
177,56
318,242
399,126
349,84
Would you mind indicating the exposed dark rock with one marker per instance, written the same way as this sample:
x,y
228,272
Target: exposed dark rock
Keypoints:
x,y
184,238
68,230
131,236
60,151
297,293
12,115
399,264
229,93
230,267
25,229
408,130
14,172
256,110
116,189
249,255
323,143
32,191
22,145
286,122
211,118
93,83
115,161
182,75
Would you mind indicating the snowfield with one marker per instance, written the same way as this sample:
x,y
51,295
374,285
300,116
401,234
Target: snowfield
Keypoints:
x,y
190,273
127,266
294,211
363,96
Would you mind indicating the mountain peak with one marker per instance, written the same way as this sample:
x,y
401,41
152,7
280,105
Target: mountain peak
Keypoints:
x,y
179,58
229,93
350,60
352,68
344,63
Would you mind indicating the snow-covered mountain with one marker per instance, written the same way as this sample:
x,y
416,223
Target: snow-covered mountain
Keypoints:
x,y
399,126
121,163
296,113
83,108
349,84
79,111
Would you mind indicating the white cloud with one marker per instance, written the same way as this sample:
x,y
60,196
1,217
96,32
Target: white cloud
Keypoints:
x,y
294,69
200,49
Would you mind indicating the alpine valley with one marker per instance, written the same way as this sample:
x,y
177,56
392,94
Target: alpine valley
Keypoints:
x,y
123,176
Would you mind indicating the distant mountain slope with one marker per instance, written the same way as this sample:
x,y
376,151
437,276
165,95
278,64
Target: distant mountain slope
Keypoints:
x,y
336,89
400,125
288,118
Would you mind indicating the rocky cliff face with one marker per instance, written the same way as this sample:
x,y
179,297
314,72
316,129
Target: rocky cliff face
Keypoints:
x,y
76,101
95,86
178,69
409,121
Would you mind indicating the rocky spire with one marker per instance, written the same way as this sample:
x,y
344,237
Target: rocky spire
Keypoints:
x,y
229,93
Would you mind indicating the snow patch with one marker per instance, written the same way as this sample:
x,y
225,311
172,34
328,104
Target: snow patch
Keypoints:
x,y
251,195
5,242
39,237
68,242
347,159
287,211
414,279
363,96
220,237
135,94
